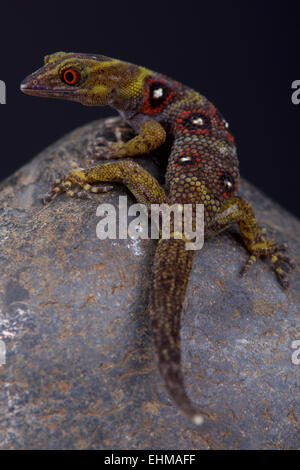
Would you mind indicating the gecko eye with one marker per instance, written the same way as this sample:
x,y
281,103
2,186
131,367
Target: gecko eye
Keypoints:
x,y
71,76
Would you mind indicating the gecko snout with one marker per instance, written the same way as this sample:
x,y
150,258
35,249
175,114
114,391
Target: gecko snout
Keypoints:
x,y
29,86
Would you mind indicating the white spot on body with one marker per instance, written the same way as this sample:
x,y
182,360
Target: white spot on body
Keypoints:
x,y
228,184
158,93
198,121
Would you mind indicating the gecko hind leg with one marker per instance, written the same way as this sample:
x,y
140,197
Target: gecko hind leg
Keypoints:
x,y
238,210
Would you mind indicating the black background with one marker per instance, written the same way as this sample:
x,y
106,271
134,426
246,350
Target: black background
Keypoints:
x,y
242,55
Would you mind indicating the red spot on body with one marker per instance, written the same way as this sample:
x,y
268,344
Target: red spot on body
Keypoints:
x,y
149,106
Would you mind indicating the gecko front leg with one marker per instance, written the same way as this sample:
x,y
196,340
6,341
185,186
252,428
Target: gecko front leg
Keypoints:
x,y
142,184
151,136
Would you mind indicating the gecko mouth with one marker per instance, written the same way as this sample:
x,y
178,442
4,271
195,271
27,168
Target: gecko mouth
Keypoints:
x,y
43,91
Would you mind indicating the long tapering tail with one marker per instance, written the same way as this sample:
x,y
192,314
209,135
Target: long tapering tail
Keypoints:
x,y
172,267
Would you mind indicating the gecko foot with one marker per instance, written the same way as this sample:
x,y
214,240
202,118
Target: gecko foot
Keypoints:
x,y
101,148
67,183
121,131
281,264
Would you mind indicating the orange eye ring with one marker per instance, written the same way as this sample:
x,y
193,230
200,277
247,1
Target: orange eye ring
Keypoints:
x,y
71,76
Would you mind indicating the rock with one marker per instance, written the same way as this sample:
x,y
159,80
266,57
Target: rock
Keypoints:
x,y
80,370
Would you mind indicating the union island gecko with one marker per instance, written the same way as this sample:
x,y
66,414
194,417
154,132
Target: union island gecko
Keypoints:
x,y
202,169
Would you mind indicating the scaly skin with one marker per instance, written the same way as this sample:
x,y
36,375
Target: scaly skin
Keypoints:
x,y
202,168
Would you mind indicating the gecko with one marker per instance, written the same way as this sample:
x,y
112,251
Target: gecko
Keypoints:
x,y
202,168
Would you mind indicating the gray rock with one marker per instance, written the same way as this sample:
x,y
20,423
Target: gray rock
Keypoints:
x,y
80,370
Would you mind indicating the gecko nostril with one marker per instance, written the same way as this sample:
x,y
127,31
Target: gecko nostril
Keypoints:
x,y
24,84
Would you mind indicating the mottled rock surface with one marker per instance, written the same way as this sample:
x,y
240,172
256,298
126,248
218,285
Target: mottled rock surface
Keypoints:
x,y
80,370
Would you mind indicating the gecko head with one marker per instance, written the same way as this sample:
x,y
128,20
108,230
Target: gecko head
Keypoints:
x,y
92,80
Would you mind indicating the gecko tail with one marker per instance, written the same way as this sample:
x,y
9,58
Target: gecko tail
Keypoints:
x,y
172,267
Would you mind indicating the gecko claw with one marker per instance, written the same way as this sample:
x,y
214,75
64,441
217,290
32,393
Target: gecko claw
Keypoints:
x,y
252,259
281,264
66,184
101,148
118,127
